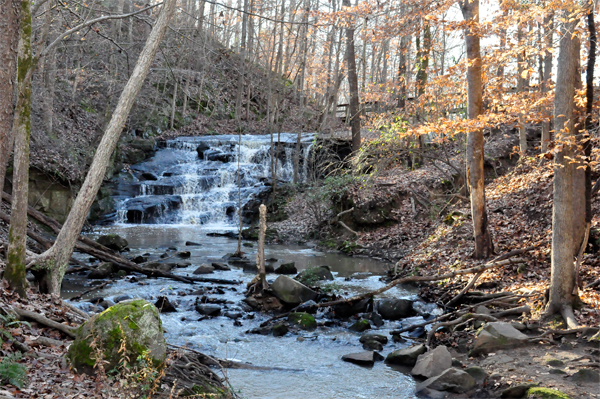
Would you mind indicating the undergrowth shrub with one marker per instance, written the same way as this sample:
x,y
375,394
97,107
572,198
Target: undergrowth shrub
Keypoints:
x,y
12,372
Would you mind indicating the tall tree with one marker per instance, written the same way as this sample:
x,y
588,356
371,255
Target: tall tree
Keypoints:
x,y
547,79
10,11
475,172
52,264
566,206
352,82
17,235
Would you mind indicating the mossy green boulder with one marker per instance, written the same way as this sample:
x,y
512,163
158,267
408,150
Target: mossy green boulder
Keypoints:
x,y
304,320
134,324
545,393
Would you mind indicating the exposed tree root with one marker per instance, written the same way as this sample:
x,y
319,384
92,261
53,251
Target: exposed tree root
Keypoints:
x,y
460,320
26,314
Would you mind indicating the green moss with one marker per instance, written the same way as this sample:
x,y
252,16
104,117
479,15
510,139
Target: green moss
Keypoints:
x,y
304,320
545,393
555,363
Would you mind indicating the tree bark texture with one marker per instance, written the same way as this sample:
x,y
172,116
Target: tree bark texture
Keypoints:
x,y
55,260
475,172
402,71
260,253
353,83
562,280
548,31
10,11
17,235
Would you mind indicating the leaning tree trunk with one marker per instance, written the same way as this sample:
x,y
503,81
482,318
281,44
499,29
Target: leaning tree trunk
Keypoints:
x,y
353,83
9,24
17,235
475,173
53,263
562,295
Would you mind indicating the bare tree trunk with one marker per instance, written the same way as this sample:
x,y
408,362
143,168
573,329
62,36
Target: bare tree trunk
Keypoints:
x,y
260,253
402,71
242,67
53,263
17,235
475,172
562,280
10,11
548,30
353,83
174,103
521,64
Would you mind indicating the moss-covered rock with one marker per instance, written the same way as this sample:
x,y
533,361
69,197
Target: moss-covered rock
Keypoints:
x,y
545,393
134,325
304,320
360,326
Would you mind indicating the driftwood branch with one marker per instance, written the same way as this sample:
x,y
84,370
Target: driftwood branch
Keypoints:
x,y
471,283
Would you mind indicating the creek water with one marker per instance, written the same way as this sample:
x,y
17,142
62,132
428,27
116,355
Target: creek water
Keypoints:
x,y
304,365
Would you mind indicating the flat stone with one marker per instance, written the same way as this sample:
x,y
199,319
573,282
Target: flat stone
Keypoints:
x,y
497,335
452,379
367,358
184,254
407,356
497,360
433,363
192,244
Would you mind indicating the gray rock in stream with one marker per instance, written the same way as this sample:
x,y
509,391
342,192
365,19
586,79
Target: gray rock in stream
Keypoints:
x,y
407,356
204,269
208,309
433,363
104,270
395,308
291,291
220,266
367,358
373,337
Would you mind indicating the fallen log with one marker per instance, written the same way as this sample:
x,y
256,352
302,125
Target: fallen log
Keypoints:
x,y
22,313
460,320
80,295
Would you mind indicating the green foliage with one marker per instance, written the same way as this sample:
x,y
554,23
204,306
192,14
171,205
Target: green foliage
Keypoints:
x,y
12,372
331,288
390,147
348,247
7,321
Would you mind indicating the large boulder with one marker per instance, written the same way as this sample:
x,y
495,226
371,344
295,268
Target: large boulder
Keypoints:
x,y
291,291
113,241
452,379
407,356
433,363
497,335
134,325
395,309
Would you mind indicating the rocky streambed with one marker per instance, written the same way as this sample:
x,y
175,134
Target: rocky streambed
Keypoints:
x,y
295,360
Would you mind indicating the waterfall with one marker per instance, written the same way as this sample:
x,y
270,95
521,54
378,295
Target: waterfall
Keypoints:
x,y
194,180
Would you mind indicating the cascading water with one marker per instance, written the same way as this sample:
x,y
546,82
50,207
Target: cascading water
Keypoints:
x,y
194,180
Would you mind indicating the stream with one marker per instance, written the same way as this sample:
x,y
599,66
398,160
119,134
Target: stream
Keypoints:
x,y
204,190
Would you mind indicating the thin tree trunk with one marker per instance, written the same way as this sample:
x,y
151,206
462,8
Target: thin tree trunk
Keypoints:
x,y
521,64
17,235
174,103
353,84
10,11
475,172
562,280
402,71
53,263
260,253
242,67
